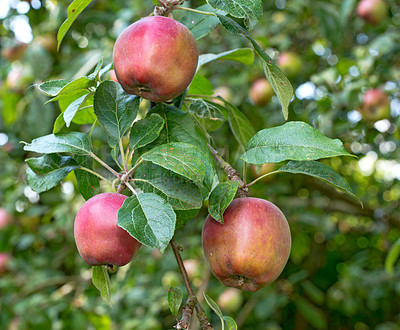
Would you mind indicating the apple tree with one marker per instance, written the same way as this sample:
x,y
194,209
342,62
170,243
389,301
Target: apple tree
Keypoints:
x,y
160,157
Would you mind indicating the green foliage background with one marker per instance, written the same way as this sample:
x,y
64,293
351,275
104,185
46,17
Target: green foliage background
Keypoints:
x,y
335,277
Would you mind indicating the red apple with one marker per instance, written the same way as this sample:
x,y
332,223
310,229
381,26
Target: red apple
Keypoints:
x,y
375,106
250,249
225,92
4,260
5,218
193,268
155,58
290,63
14,52
261,92
113,76
100,241
372,11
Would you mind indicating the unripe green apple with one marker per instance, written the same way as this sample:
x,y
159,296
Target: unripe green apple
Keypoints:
x,y
375,106
5,218
170,279
290,63
372,11
100,241
250,249
155,58
261,92
4,260
230,300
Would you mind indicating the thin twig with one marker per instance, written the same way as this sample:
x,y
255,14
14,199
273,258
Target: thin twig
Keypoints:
x,y
121,188
188,309
96,174
91,154
132,170
194,10
260,178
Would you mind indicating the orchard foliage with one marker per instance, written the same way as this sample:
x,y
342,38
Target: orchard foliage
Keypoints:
x,y
335,173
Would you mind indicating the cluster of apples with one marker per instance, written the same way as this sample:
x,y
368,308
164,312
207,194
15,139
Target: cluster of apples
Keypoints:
x,y
247,251
156,58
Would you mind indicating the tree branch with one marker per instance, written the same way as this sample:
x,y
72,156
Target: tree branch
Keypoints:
x,y
192,301
231,173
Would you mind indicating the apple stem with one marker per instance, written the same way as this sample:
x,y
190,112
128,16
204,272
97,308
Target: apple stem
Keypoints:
x,y
166,7
195,11
230,172
260,178
91,154
192,302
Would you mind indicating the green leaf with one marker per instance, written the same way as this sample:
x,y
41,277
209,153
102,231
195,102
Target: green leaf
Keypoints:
x,y
101,281
346,9
311,313
115,150
313,292
73,87
206,110
105,69
53,87
184,196
392,257
75,142
47,171
242,55
59,123
174,298
74,107
199,24
292,141
208,114
88,183
145,131
179,193
115,109
280,84
74,9
79,117
251,11
181,158
149,219
180,127
230,322
240,126
200,86
320,171
213,305
220,198
97,73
